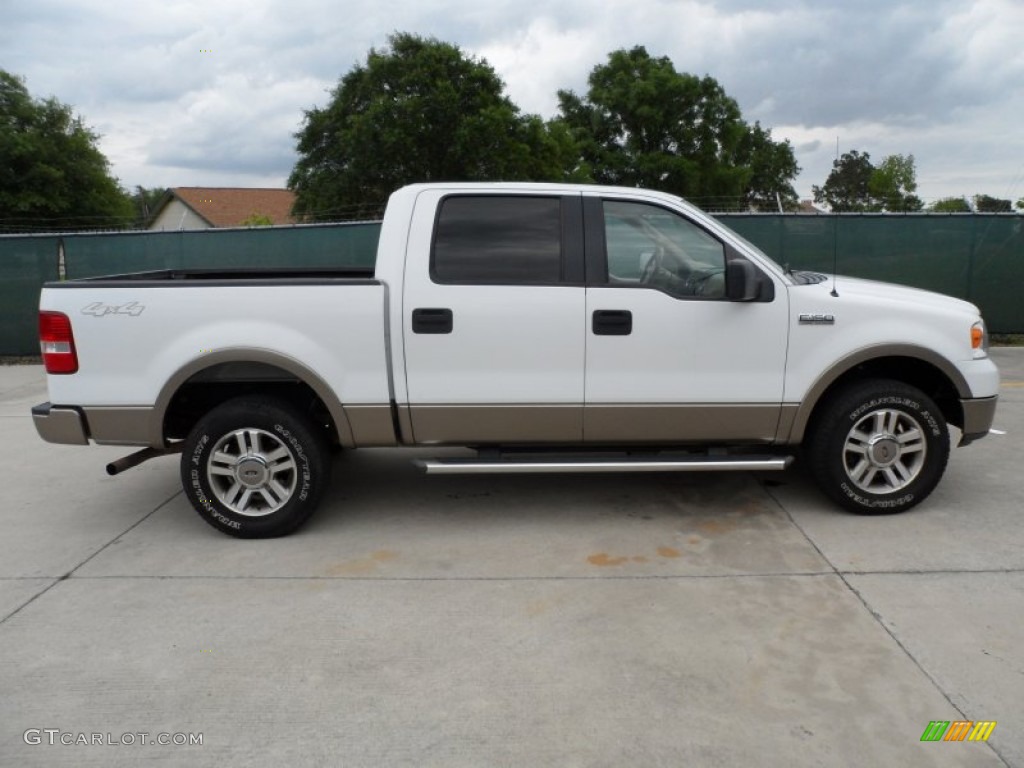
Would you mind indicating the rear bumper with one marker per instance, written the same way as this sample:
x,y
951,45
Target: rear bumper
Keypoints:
x,y
103,425
979,413
56,424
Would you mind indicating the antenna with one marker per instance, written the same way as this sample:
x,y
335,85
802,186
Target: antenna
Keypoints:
x,y
835,252
835,237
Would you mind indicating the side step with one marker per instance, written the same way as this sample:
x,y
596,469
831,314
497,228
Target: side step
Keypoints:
x,y
473,466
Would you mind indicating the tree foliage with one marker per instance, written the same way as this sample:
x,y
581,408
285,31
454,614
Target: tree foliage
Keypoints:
x,y
145,201
52,175
893,184
848,186
642,123
855,184
987,204
419,110
255,219
950,205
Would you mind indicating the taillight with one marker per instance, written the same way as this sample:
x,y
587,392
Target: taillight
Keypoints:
x,y
57,343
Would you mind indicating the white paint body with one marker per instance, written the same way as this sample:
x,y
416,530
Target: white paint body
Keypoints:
x,y
510,344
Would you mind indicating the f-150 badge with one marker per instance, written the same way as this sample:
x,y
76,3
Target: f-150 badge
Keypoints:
x,y
99,309
808,318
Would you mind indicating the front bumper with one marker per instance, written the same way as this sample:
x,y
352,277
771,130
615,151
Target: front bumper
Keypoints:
x,y
979,413
57,424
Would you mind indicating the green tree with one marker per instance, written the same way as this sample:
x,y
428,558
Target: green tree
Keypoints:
x,y
987,204
950,205
419,110
773,167
52,175
145,202
893,183
257,220
848,186
642,123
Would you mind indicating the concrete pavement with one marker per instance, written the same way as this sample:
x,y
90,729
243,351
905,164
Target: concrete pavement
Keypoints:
x,y
710,619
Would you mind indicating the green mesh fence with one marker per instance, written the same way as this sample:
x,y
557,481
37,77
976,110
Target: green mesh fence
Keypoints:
x,y
333,245
25,264
976,257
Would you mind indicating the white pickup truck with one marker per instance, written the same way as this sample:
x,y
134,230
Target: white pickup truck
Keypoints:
x,y
553,328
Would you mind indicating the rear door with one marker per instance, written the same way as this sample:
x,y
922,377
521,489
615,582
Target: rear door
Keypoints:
x,y
669,357
494,318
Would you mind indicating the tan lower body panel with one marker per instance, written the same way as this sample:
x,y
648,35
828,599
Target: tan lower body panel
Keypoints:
x,y
611,423
372,426
122,425
698,423
468,424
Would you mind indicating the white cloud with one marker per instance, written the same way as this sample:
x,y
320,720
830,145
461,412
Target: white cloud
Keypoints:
x,y
935,78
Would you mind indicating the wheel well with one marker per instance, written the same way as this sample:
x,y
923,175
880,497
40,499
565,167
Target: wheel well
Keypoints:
x,y
917,373
210,387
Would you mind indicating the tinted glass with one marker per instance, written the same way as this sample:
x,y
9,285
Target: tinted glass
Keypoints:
x,y
496,239
651,246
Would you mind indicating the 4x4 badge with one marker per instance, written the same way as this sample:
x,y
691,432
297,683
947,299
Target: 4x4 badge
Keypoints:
x,y
99,309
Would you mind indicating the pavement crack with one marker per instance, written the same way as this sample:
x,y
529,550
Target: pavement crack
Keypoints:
x,y
877,616
71,572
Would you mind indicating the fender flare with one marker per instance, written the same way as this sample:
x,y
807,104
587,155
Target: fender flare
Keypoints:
x,y
844,365
249,355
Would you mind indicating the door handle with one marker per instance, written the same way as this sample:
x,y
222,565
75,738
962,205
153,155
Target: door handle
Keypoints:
x,y
612,322
432,321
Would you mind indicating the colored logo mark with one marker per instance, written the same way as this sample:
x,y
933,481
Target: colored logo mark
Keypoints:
x,y
958,730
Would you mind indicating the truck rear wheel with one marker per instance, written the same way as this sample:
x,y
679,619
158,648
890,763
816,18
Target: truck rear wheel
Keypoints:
x,y
253,467
878,447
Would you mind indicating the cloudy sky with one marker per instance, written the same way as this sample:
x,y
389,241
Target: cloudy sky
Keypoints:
x,y
210,92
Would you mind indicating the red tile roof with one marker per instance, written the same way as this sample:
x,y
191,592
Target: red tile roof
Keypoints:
x,y
230,206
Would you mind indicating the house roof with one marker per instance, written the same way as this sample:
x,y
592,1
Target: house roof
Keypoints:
x,y
231,206
808,206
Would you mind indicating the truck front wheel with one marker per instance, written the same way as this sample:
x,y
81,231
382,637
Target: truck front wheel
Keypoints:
x,y
254,468
878,447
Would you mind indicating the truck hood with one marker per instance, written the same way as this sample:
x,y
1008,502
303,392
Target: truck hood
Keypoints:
x,y
858,288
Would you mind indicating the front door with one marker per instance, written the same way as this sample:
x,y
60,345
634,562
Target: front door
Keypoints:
x,y
683,364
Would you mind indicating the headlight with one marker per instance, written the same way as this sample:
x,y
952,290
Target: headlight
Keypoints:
x,y
979,337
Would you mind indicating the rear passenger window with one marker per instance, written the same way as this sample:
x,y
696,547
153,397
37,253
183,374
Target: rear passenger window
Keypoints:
x,y
498,239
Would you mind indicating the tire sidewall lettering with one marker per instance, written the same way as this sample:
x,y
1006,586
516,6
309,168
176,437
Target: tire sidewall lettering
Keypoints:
x,y
911,406
897,503
300,453
201,493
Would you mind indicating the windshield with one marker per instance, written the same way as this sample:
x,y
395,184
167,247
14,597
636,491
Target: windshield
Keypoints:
x,y
781,267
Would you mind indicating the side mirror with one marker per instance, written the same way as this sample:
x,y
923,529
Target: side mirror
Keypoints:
x,y
742,281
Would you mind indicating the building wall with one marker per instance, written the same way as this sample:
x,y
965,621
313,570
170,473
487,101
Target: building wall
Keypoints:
x,y
176,215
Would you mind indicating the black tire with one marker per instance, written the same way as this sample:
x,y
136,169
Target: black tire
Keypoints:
x,y
254,467
878,447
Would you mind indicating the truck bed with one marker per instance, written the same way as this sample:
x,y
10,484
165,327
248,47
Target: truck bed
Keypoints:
x,y
221,275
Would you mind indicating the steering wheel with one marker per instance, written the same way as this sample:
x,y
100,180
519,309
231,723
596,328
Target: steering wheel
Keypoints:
x,y
707,283
653,265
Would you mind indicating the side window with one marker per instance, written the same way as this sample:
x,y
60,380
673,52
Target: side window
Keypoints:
x,y
654,247
498,239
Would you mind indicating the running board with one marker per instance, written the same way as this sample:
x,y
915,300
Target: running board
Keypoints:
x,y
695,464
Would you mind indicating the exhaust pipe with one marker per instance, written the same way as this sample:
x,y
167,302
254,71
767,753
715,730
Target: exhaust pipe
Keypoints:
x,y
134,459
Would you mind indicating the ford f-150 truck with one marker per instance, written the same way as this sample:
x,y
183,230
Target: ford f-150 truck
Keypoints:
x,y
552,328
